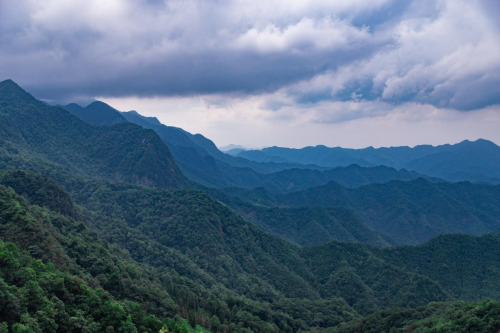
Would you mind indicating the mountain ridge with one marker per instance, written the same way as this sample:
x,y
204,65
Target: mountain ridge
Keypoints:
x,y
200,159
467,160
52,138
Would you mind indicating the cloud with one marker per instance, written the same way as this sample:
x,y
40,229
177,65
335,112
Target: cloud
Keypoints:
x,y
242,120
306,35
293,54
448,59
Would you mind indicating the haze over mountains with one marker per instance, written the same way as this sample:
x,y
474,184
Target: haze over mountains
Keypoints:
x,y
231,147
129,225
477,161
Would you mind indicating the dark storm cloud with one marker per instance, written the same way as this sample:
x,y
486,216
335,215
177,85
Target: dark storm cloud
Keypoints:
x,y
210,73
307,51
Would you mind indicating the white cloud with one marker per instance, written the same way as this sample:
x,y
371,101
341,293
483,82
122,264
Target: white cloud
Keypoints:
x,y
438,61
325,34
243,121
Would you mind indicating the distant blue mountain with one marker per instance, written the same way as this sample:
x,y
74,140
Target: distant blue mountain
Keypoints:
x,y
476,161
199,159
231,147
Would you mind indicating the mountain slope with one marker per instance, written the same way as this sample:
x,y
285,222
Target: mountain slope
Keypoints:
x,y
37,136
194,161
314,225
464,274
457,317
455,262
368,278
414,211
203,240
222,244
37,297
324,268
162,278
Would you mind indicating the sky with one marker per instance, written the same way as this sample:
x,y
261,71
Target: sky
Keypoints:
x,y
351,73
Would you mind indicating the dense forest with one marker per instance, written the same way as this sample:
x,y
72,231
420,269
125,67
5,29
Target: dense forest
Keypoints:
x,y
100,231
400,212
457,317
44,138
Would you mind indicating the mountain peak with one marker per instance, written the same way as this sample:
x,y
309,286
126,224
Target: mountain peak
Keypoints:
x,y
75,105
100,103
96,113
484,142
478,143
9,90
8,82
231,147
12,86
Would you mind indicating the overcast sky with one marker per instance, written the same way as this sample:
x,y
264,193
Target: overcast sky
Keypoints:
x,y
350,73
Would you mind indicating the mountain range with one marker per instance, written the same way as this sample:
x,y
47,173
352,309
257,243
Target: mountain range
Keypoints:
x,y
475,161
406,208
201,161
134,226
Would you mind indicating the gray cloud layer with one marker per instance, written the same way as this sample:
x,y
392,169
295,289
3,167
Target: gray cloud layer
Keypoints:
x,y
442,52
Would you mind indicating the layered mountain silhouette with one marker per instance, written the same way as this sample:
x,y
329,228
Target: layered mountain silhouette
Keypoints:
x,y
100,231
203,162
477,161
387,214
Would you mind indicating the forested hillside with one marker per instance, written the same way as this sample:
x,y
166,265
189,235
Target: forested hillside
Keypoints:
x,y
313,225
37,297
414,211
457,317
397,212
223,254
166,282
100,231
39,137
